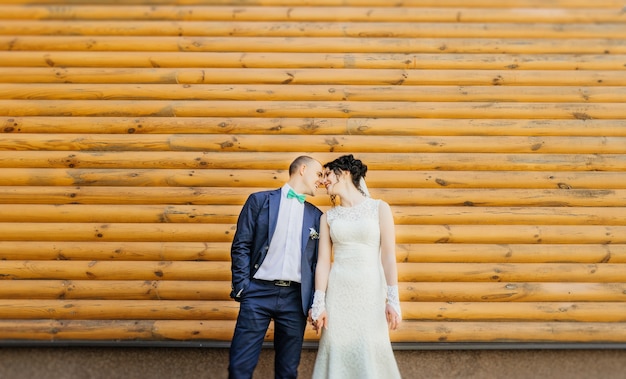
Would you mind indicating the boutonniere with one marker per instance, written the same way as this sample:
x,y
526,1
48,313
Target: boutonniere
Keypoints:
x,y
314,235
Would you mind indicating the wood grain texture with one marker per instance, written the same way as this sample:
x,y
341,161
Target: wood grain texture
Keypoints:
x,y
130,137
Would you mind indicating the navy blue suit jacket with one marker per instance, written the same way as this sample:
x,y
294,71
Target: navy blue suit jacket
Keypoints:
x,y
255,227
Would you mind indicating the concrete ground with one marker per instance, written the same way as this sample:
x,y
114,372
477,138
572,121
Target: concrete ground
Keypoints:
x,y
186,362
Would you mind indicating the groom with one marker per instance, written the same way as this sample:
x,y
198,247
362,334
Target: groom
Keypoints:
x,y
274,253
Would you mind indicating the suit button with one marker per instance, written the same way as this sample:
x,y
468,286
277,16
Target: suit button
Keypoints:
x,y
256,266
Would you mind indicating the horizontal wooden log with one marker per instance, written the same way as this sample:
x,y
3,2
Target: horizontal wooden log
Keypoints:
x,y
59,194
227,310
316,44
314,144
313,126
516,234
221,330
510,253
131,232
418,292
298,92
155,232
237,196
108,270
117,330
220,251
497,312
126,309
521,272
117,161
407,272
219,290
120,213
115,289
312,76
500,332
316,60
338,12
265,179
139,177
169,108
541,4
122,251
403,215
360,29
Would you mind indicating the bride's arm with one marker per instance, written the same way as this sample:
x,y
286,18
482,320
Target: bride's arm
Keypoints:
x,y
388,243
322,271
388,257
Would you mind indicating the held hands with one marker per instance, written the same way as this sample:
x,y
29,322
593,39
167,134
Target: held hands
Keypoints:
x,y
317,314
320,323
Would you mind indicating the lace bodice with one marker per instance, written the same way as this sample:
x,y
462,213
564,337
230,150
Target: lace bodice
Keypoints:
x,y
355,226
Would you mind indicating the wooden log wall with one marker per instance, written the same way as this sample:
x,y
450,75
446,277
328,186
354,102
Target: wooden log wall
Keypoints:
x,y
133,131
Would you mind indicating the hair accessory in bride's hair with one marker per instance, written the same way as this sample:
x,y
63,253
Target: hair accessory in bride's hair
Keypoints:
x,y
363,187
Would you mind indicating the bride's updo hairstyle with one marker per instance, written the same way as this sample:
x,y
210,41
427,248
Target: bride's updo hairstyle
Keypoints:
x,y
355,167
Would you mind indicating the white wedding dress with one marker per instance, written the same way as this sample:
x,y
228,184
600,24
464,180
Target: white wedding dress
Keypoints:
x,y
356,344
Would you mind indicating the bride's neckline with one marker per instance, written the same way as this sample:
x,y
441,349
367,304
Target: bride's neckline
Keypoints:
x,y
354,205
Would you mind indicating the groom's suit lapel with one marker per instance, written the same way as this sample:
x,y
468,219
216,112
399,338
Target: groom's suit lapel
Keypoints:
x,y
306,225
274,200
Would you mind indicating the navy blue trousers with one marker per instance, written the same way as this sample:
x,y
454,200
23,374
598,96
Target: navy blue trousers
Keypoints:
x,y
262,303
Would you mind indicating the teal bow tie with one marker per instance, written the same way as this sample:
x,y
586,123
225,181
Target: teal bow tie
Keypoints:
x,y
291,194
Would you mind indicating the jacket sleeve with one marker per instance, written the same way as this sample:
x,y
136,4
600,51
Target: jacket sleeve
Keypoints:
x,y
241,249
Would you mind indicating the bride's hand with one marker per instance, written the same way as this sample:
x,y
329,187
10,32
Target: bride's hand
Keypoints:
x,y
393,318
321,322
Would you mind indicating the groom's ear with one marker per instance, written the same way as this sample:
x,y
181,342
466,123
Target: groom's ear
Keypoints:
x,y
302,169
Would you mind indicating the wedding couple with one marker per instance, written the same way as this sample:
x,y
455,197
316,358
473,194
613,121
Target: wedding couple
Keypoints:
x,y
282,271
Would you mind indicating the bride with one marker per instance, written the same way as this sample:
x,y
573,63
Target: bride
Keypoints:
x,y
356,296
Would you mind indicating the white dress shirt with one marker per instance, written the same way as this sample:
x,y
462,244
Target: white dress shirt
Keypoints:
x,y
284,257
